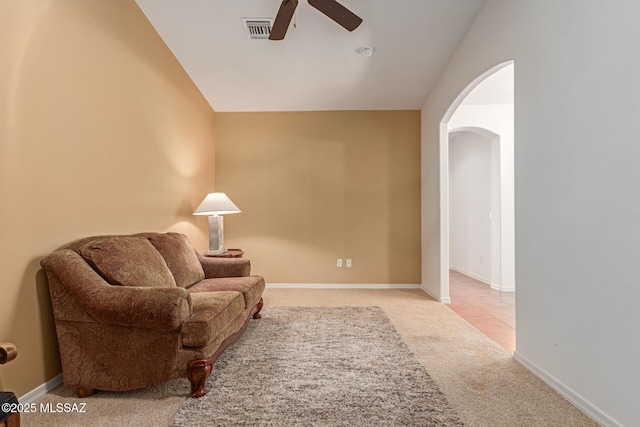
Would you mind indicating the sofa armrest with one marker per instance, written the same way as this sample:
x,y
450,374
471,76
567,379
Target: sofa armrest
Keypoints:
x,y
225,267
163,309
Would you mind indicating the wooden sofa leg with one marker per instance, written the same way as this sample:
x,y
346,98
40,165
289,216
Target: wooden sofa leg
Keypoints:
x,y
12,421
85,392
198,372
257,314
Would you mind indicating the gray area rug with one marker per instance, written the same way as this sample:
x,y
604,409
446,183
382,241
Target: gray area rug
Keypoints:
x,y
311,366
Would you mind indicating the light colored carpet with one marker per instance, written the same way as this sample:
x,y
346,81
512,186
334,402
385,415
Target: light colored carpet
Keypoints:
x,y
482,382
319,366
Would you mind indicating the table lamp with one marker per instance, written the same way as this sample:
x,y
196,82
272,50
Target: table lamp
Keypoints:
x,y
214,205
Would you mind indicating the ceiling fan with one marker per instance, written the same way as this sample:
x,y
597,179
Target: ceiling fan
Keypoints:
x,y
334,10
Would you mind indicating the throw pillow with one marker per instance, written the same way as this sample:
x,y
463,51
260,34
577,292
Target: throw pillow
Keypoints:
x,y
180,257
128,261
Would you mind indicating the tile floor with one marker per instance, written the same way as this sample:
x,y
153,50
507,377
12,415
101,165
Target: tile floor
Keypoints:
x,y
490,311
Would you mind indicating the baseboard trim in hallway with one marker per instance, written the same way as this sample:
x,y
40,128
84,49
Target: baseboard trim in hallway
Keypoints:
x,y
342,286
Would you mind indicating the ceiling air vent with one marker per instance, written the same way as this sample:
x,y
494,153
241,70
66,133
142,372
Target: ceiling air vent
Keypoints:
x,y
257,28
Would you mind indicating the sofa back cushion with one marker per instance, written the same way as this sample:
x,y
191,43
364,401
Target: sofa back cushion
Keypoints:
x,y
180,257
128,261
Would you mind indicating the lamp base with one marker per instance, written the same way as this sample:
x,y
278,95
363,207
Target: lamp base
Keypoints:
x,y
216,236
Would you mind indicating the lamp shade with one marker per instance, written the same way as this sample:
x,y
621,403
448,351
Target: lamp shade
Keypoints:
x,y
216,204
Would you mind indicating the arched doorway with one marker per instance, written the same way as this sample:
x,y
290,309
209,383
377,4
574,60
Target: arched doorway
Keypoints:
x,y
484,111
507,282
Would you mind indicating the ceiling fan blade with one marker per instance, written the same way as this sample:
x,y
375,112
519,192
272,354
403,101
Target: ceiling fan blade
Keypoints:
x,y
283,19
338,13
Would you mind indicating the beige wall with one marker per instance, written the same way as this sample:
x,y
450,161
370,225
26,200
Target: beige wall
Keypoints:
x,y
101,131
317,186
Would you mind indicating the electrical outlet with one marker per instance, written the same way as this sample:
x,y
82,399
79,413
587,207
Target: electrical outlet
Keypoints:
x,y
348,262
339,263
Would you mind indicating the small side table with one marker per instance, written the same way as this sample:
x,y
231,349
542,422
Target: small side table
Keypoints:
x,y
231,253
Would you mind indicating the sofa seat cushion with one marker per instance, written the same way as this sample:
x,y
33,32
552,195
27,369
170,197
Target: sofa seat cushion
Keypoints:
x,y
128,261
212,312
180,257
251,287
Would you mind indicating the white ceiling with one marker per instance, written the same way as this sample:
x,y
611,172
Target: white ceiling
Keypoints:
x,y
316,66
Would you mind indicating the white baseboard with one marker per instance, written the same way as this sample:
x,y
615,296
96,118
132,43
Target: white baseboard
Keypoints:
x,y
443,300
578,401
472,275
341,286
494,286
504,288
40,391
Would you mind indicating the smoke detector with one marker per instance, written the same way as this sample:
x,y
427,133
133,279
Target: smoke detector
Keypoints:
x,y
366,51
257,28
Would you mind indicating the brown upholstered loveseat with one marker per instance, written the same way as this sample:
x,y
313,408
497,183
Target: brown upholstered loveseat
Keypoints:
x,y
136,310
